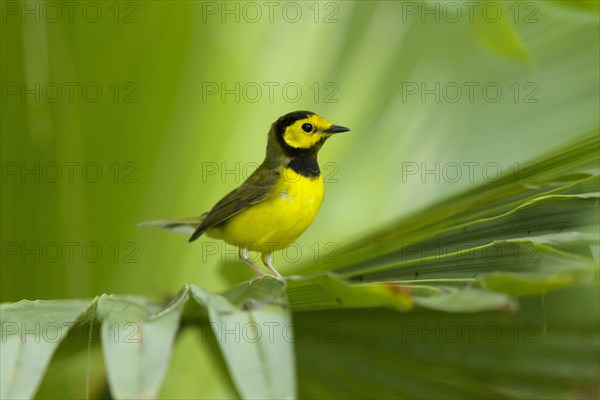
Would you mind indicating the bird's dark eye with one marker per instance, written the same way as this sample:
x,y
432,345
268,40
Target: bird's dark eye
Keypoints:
x,y
307,128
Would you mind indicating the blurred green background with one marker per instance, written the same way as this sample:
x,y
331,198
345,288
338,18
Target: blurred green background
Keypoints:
x,y
134,105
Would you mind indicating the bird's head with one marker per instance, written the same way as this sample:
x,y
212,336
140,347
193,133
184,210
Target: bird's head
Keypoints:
x,y
302,132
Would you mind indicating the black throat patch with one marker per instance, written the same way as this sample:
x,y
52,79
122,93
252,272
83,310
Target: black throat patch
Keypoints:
x,y
305,165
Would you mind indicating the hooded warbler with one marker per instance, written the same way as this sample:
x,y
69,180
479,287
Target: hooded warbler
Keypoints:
x,y
278,202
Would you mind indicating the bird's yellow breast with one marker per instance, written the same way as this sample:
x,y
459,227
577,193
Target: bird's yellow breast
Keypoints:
x,y
288,210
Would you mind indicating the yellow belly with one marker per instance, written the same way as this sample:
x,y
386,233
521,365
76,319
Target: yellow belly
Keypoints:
x,y
279,220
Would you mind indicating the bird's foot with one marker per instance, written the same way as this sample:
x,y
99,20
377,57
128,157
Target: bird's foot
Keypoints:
x,y
267,260
260,276
257,277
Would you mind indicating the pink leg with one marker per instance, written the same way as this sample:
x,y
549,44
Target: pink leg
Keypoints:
x,y
267,259
243,252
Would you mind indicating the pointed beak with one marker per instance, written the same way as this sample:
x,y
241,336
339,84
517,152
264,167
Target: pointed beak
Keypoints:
x,y
336,129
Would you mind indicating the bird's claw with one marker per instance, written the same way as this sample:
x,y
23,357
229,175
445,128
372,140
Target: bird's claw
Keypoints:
x,y
260,276
256,278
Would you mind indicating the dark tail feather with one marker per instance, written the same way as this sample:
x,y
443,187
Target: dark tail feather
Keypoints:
x,y
181,225
197,233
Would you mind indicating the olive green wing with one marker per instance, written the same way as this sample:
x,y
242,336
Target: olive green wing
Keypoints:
x,y
253,191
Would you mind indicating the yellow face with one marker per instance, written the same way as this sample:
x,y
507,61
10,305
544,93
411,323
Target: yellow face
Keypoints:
x,y
307,132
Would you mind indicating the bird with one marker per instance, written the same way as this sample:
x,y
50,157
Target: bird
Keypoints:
x,y
277,202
